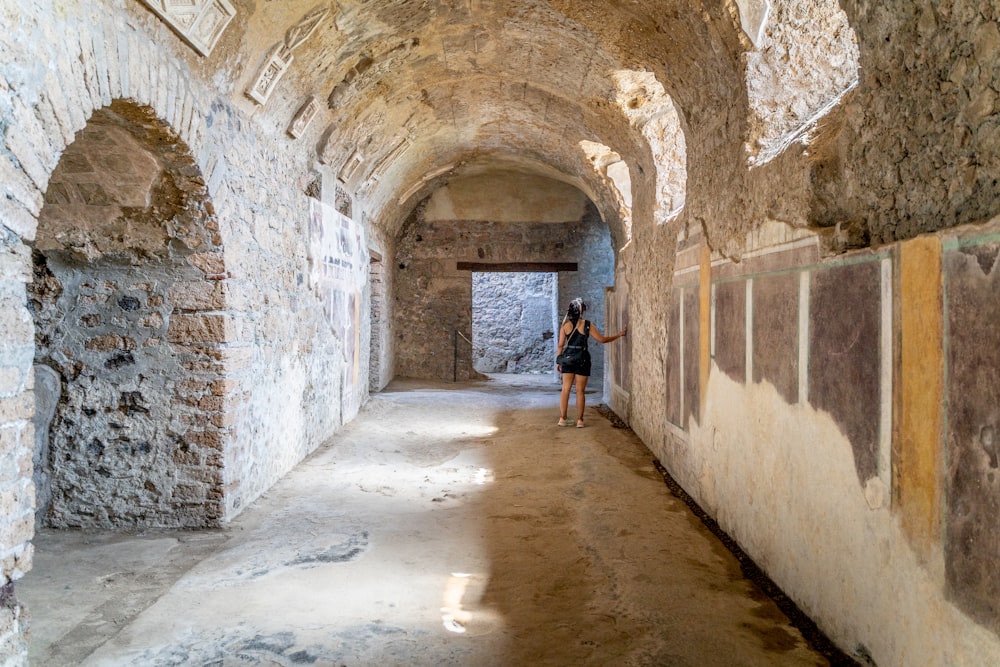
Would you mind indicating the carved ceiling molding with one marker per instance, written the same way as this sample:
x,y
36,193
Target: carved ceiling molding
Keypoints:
x,y
200,23
280,58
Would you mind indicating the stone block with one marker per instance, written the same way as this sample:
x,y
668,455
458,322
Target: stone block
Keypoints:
x,y
211,263
11,380
110,342
60,107
224,386
198,295
71,85
24,150
17,407
98,40
88,66
211,403
30,127
207,439
14,532
24,190
200,328
12,438
15,265
223,419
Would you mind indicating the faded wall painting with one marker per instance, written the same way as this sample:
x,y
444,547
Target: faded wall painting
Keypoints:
x,y
338,268
972,484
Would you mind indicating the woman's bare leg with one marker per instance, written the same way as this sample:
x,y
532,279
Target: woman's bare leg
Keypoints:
x,y
581,398
567,386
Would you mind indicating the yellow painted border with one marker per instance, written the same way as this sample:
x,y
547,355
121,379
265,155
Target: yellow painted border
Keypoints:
x,y
918,443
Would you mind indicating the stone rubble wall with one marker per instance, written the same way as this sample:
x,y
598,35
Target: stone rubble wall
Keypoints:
x,y
514,323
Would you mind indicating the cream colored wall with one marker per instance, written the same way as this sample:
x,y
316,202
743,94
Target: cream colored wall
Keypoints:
x,y
506,196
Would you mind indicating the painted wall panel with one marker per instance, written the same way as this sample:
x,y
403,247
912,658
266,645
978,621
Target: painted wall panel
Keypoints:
x,y
730,329
972,534
776,333
844,355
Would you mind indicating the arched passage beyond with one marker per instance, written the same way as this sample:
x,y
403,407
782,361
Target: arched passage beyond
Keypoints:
x,y
491,217
128,272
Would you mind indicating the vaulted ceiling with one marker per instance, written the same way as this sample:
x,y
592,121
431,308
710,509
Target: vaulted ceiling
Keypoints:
x,y
410,92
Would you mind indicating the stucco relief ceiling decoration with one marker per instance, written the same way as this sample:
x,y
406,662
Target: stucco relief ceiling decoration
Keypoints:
x,y
303,117
200,23
280,58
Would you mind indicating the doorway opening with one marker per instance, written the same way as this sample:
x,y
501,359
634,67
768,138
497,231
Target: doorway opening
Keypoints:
x,y
514,320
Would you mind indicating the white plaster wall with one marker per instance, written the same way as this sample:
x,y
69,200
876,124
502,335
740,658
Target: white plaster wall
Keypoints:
x,y
780,479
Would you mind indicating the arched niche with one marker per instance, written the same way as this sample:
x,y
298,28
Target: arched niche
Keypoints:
x,y
128,303
649,108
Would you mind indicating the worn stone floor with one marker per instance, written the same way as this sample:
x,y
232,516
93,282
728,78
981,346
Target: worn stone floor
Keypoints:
x,y
447,525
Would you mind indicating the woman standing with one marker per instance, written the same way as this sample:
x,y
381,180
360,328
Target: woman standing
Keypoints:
x,y
573,339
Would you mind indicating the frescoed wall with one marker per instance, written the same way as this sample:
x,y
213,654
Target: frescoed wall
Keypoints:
x,y
338,270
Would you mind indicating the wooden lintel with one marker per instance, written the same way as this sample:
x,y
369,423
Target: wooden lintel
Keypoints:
x,y
519,267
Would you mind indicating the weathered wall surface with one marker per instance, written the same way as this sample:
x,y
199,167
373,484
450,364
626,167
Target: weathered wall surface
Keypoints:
x,y
235,347
514,322
754,380
822,446
433,298
918,145
16,440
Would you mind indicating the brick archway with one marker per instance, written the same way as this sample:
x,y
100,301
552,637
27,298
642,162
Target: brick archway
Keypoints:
x,y
129,307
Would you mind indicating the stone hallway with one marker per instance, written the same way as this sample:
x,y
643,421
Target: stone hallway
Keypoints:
x,y
447,525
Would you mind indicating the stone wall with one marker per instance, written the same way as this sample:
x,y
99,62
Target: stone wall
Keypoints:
x,y
433,297
128,289
16,442
514,322
199,370
814,430
917,147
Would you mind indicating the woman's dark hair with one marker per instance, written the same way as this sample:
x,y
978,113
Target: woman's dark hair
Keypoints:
x,y
577,307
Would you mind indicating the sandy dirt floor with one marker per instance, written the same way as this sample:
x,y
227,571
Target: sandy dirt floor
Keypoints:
x,y
449,524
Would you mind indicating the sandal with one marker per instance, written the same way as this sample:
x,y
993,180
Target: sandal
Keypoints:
x,y
562,422
579,423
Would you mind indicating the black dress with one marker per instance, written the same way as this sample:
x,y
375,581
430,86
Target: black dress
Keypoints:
x,y
579,340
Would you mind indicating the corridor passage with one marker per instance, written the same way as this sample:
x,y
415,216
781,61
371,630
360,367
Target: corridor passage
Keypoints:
x,y
446,525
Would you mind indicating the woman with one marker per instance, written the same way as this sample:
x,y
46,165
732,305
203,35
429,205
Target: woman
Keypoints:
x,y
573,336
